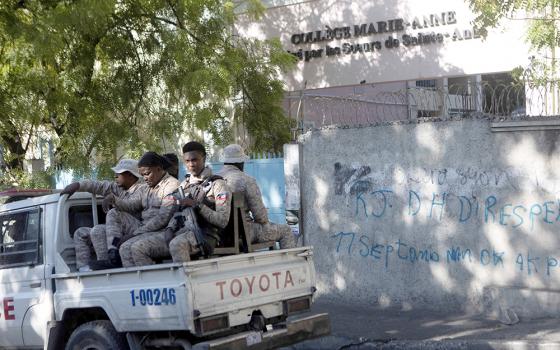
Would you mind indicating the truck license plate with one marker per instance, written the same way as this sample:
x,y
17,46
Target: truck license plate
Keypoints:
x,y
253,338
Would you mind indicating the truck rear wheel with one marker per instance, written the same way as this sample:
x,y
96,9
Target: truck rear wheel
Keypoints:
x,y
96,335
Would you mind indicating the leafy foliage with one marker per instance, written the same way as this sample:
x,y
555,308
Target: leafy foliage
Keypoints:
x,y
542,33
102,75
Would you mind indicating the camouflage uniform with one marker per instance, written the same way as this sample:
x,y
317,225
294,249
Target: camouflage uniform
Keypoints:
x,y
89,240
155,216
261,230
119,223
86,238
212,216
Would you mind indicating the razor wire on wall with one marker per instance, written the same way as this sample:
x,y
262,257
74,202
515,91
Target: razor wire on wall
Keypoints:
x,y
512,101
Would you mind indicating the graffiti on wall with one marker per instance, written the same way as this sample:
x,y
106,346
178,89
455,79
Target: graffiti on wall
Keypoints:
x,y
351,179
477,202
461,208
439,197
387,254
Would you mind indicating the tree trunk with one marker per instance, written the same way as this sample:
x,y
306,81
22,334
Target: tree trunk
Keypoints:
x,y
16,152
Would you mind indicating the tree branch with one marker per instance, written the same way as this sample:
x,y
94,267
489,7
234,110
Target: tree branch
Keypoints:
x,y
29,138
141,77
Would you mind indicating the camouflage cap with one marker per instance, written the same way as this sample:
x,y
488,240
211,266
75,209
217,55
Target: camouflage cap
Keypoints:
x,y
129,165
234,154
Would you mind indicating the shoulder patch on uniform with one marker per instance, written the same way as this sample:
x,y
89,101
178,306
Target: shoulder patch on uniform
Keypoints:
x,y
221,198
168,200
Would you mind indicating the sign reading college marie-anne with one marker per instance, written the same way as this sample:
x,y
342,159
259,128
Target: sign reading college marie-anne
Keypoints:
x,y
425,30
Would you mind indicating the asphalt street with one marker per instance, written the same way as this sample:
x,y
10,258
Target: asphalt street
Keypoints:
x,y
374,327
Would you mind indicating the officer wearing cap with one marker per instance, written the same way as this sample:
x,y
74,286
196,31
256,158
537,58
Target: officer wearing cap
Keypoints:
x,y
127,183
261,229
155,216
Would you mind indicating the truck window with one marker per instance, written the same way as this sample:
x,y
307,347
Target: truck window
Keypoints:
x,y
20,238
81,216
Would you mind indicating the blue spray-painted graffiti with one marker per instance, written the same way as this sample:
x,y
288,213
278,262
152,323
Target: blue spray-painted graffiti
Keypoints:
x,y
354,244
464,209
379,202
350,179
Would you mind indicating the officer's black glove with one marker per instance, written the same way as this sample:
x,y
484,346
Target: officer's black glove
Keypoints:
x,y
70,189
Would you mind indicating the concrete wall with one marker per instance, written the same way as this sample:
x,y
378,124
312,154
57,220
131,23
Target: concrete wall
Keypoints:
x,y
441,215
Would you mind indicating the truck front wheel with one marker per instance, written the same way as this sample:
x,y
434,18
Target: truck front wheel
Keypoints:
x,y
96,335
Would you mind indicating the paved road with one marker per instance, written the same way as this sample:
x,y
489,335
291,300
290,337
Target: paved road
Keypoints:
x,y
371,327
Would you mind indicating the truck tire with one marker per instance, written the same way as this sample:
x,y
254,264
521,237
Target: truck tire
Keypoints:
x,y
97,335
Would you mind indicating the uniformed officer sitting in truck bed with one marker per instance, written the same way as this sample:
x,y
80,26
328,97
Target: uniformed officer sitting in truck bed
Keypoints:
x,y
261,230
155,216
127,183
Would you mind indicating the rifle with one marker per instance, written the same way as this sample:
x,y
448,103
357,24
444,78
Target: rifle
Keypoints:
x,y
188,215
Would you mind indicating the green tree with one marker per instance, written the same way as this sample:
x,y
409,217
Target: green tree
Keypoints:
x,y
542,33
104,74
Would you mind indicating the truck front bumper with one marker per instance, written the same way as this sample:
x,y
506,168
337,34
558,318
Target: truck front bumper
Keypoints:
x,y
297,330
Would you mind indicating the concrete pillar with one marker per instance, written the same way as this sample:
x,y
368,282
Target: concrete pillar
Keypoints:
x,y
477,93
412,100
445,98
292,171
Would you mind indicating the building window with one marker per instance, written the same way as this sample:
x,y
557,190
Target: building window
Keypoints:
x,y
426,83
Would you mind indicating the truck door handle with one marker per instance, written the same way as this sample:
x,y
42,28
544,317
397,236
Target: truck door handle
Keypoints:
x,y
35,285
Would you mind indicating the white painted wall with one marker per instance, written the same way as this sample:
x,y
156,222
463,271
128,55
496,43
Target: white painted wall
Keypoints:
x,y
439,215
504,49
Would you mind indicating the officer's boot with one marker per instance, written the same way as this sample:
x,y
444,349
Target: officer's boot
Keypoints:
x,y
114,257
113,262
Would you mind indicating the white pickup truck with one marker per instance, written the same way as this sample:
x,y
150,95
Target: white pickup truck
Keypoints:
x,y
231,302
